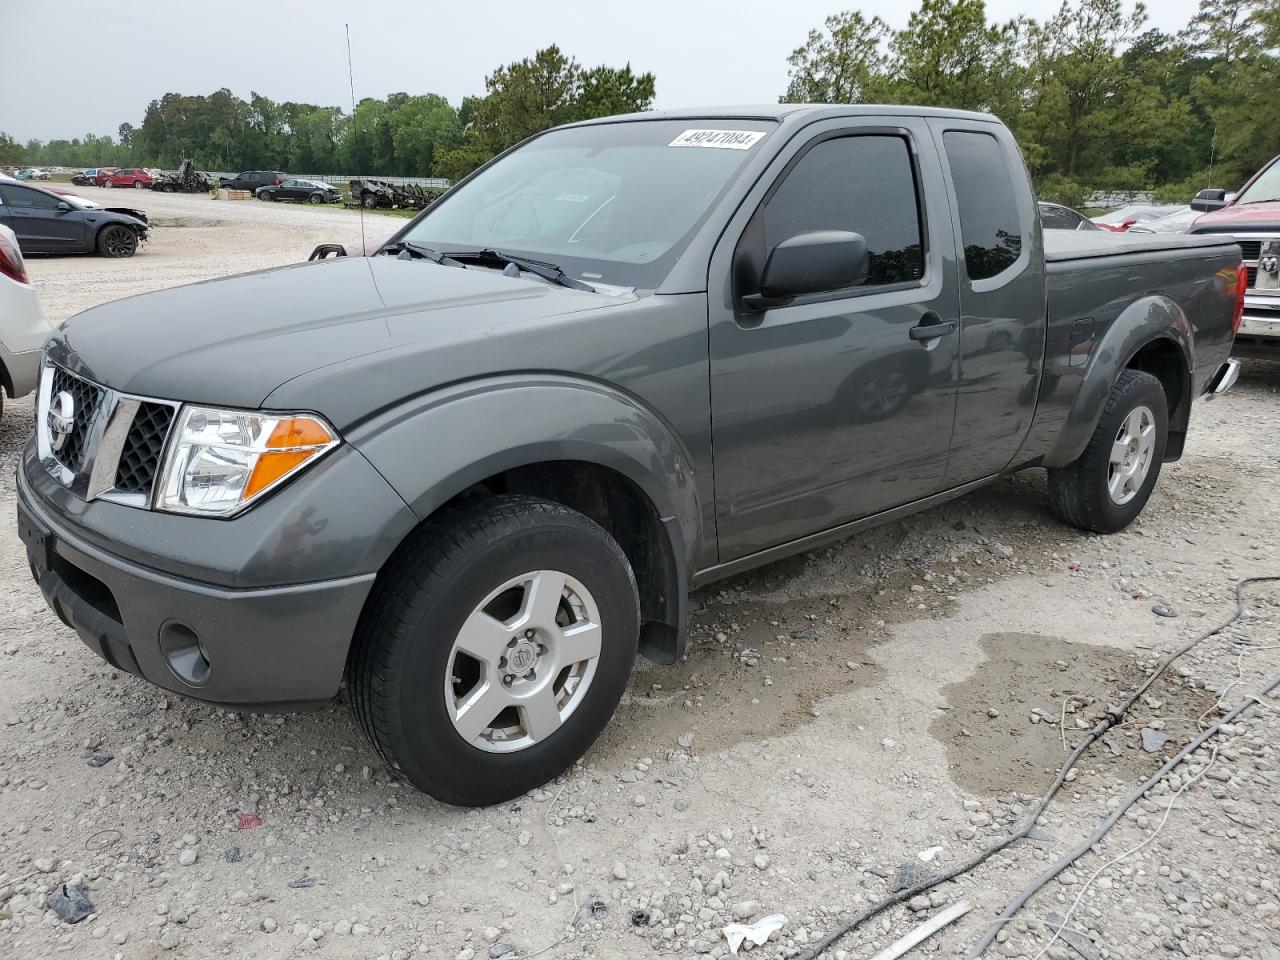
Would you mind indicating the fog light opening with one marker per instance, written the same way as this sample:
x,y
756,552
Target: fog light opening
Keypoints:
x,y
184,653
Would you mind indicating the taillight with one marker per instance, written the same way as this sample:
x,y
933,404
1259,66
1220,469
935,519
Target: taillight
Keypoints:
x,y
1242,281
11,263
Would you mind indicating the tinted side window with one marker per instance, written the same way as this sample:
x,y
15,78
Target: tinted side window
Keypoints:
x,y
988,205
26,199
865,184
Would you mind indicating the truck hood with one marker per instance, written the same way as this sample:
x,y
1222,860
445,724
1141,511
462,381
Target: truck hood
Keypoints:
x,y
1246,218
232,341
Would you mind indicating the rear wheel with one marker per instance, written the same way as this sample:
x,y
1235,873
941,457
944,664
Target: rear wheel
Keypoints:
x,y
495,649
1107,487
116,240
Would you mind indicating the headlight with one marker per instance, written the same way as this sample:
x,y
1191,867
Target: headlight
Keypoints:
x,y
221,460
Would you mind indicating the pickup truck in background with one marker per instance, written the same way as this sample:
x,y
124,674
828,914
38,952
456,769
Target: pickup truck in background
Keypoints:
x,y
1253,217
474,473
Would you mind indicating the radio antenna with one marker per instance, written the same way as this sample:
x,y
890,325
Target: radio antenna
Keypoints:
x,y
351,79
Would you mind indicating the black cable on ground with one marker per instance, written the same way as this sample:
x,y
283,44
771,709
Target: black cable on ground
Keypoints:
x,y
1109,720
1021,899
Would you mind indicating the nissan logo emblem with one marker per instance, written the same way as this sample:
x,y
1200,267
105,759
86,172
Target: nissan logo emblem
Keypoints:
x,y
61,419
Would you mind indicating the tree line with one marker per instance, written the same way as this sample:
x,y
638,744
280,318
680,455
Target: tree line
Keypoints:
x,y
1096,98
404,134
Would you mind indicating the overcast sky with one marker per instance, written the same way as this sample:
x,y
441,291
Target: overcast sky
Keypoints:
x,y
80,67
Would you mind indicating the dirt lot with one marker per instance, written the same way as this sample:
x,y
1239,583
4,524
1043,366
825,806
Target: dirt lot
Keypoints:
x,y
838,714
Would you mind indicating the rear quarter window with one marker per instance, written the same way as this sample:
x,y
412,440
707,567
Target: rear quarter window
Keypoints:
x,y
987,202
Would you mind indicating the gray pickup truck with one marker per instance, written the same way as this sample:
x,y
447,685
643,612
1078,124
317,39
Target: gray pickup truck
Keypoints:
x,y
475,473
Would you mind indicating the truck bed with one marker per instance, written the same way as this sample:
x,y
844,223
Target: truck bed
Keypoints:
x,y
1065,245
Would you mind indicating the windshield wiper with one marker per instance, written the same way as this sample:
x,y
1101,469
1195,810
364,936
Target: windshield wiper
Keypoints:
x,y
539,268
407,249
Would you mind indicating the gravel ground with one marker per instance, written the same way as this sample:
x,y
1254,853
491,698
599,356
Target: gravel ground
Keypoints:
x,y
838,715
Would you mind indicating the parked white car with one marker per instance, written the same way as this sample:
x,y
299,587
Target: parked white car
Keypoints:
x,y
23,326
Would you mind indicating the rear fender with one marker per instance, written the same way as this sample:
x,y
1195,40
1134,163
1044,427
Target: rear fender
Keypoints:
x,y
1144,321
436,446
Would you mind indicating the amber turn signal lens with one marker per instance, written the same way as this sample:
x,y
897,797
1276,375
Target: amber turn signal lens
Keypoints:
x,y
271,466
298,432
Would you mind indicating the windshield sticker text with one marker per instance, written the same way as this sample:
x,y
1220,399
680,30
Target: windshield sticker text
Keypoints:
x,y
721,139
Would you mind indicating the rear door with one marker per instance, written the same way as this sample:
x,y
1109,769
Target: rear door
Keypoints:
x,y
826,409
1002,295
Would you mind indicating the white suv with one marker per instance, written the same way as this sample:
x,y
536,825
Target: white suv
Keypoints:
x,y
23,325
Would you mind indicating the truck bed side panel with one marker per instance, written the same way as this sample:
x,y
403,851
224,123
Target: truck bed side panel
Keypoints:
x,y
1104,308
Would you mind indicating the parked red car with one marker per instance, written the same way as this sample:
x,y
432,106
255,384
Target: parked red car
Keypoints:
x,y
126,177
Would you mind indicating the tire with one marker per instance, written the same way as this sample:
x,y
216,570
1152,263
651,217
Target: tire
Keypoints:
x,y
413,686
108,184
264,196
117,241
1106,488
368,200
139,185
316,198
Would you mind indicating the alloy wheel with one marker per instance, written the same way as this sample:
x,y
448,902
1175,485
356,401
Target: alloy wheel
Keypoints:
x,y
523,661
1132,452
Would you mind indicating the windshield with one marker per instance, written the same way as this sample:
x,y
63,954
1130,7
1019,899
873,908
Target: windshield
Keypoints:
x,y
612,203
1265,188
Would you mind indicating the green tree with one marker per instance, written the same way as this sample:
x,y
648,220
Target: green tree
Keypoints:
x,y
11,152
421,126
537,93
605,91
949,55
844,62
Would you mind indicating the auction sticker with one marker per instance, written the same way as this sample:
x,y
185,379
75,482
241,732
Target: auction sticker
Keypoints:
x,y
720,139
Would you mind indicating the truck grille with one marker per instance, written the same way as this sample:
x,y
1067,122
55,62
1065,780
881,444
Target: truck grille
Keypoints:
x,y
1250,252
86,398
115,446
140,457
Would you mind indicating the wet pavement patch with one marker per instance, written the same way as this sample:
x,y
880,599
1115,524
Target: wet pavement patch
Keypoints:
x,y
1004,731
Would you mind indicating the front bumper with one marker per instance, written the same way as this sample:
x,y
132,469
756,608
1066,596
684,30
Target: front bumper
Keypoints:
x,y
279,647
1259,334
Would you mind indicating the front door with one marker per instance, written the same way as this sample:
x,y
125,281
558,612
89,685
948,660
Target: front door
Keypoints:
x,y
830,408
40,222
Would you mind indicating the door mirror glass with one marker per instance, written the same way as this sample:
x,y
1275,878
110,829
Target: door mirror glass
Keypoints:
x,y
63,205
815,262
1212,199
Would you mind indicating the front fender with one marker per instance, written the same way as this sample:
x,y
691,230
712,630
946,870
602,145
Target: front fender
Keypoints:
x,y
433,447
1149,318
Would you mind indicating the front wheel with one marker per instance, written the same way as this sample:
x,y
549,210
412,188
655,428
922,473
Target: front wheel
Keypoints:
x,y
368,201
139,185
1106,488
495,648
316,198
108,183
116,241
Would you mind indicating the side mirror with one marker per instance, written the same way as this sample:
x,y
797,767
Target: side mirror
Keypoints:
x,y
813,262
1206,200
63,205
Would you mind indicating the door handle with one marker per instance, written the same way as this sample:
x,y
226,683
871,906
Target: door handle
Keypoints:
x,y
930,327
